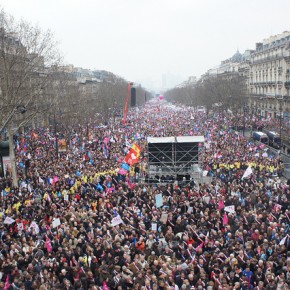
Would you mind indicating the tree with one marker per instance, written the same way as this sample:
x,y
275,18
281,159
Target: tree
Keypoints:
x,y
28,60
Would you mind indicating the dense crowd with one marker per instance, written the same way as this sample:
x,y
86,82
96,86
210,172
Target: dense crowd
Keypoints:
x,y
78,221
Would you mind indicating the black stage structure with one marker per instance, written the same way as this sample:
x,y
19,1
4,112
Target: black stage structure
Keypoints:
x,y
175,156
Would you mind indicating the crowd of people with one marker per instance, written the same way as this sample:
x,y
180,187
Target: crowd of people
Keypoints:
x,y
79,220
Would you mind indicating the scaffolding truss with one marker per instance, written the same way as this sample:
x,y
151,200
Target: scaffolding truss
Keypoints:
x,y
175,156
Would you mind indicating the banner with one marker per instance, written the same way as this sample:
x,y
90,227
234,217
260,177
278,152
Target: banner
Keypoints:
x,y
116,220
39,152
6,166
61,145
55,222
127,103
34,226
230,209
9,220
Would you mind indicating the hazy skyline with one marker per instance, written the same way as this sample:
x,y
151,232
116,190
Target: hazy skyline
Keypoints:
x,y
142,40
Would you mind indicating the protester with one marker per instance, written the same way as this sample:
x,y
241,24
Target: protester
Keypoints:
x,y
82,219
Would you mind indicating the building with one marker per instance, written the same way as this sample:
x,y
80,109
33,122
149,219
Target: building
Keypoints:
x,y
269,76
267,73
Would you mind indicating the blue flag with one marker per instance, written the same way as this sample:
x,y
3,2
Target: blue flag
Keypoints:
x,y
125,166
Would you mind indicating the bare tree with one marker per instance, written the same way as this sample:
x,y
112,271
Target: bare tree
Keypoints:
x,y
28,61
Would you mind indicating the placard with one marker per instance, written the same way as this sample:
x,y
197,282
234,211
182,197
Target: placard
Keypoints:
x,y
116,220
55,222
159,200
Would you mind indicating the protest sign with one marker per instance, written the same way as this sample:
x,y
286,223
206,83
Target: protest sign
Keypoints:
x,y
116,220
9,220
164,217
230,209
34,226
159,200
55,222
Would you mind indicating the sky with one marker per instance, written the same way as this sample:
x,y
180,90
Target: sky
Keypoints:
x,y
158,43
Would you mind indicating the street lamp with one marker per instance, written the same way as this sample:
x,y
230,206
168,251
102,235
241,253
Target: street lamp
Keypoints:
x,y
244,120
55,136
18,109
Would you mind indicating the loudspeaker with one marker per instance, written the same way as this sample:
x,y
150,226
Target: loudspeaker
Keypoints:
x,y
133,97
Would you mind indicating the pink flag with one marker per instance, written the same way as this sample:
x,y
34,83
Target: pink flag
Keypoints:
x,y
221,205
199,246
48,245
7,284
105,286
55,180
225,219
122,171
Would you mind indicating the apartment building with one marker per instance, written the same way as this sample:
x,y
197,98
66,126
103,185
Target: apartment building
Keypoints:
x,y
269,76
267,73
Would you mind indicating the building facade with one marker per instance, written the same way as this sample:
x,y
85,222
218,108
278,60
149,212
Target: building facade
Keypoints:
x,y
269,76
267,73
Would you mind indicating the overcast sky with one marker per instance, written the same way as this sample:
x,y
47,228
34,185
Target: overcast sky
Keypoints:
x,y
141,40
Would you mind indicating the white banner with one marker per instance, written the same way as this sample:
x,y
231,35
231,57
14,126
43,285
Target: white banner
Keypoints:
x,y
8,220
116,220
230,209
34,226
20,226
55,223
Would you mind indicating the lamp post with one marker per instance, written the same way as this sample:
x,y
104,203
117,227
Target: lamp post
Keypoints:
x,y
244,120
55,136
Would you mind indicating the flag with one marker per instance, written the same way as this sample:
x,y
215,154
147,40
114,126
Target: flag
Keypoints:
x,y
116,220
35,226
230,209
127,103
221,205
20,226
105,286
225,219
9,220
106,151
48,245
125,166
132,157
137,149
7,284
277,207
248,172
282,242
122,171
